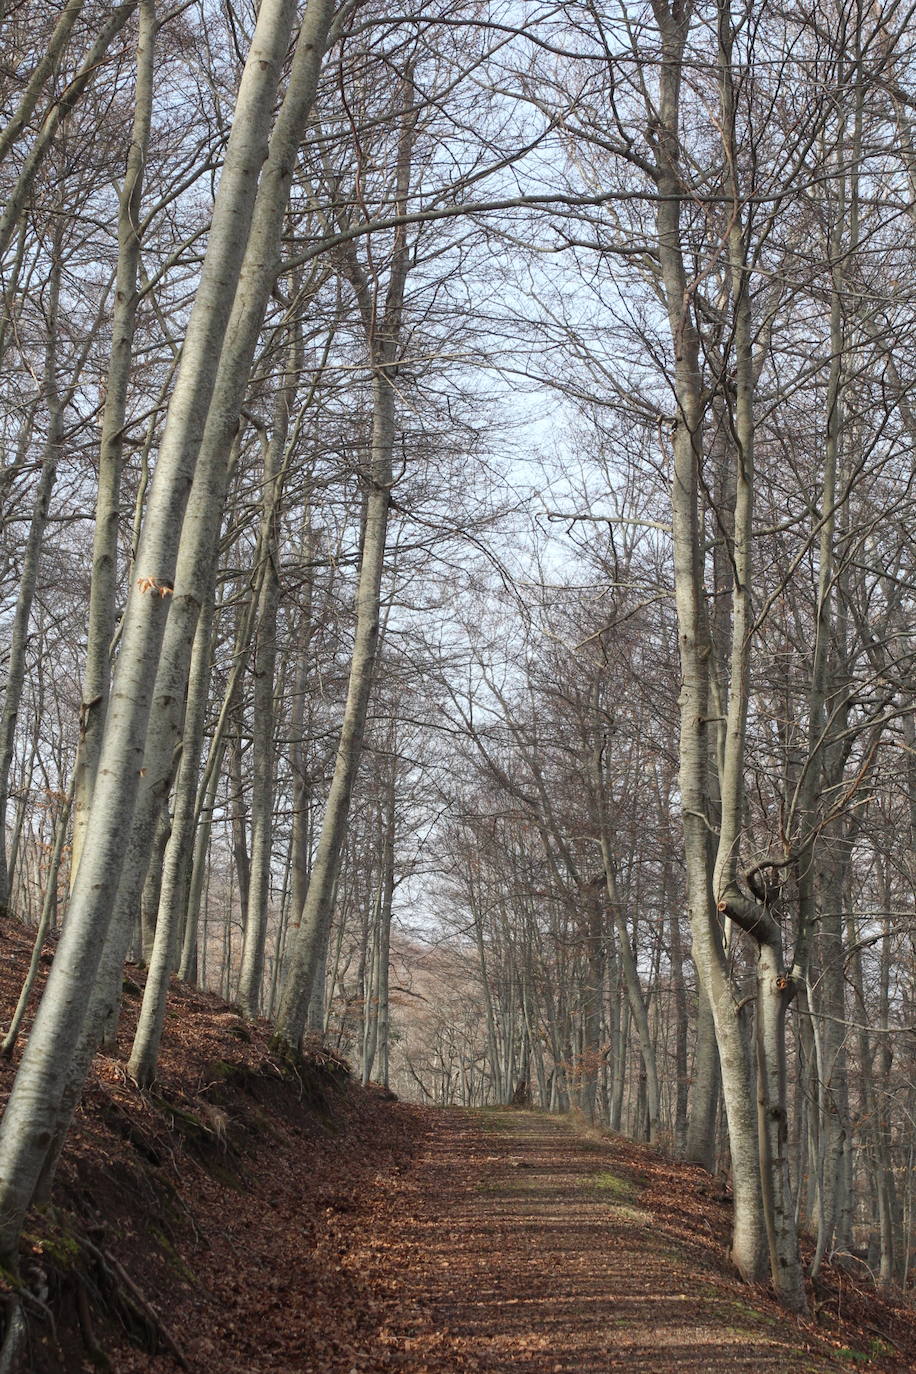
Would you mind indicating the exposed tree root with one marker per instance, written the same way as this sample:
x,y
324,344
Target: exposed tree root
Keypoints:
x,y
14,1333
139,1316
93,1349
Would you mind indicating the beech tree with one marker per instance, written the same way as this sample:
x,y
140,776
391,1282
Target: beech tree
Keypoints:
x,y
30,1121
456,567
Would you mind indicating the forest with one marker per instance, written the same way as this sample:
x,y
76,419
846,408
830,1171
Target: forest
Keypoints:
x,y
458,572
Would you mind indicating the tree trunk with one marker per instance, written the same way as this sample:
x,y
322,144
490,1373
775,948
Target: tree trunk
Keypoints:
x,y
173,899
704,1094
28,582
32,1117
682,1077
383,343
202,521
749,1238
43,70
638,1009
774,991
103,586
152,886
264,669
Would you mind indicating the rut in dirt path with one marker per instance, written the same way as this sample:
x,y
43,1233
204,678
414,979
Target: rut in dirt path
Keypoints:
x,y
525,1249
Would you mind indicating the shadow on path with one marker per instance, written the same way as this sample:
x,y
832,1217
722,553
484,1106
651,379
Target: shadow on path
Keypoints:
x,y
513,1244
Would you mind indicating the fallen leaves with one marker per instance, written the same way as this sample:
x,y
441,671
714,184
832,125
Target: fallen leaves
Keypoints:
x,y
314,1228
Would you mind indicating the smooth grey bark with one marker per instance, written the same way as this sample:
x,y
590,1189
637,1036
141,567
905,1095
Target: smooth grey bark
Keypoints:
x,y
774,993
893,1264
238,823
376,1036
383,1007
201,527
28,581
775,986
218,451
749,1241
831,1093
682,1025
301,841
264,660
27,779
32,1115
704,1091
821,873
273,982
878,1160
165,954
383,342
103,585
200,823
190,968
173,895
620,1080
152,885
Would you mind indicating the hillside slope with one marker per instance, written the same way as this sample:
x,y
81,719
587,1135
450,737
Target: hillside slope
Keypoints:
x,y
208,1220
252,1219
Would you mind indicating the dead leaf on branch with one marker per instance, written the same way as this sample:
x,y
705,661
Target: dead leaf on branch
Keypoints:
x,y
154,585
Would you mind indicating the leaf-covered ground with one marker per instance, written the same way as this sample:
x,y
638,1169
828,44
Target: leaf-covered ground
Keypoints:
x,y
531,1246
249,1219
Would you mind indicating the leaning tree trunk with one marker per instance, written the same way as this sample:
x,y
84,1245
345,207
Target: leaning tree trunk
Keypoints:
x,y
383,339
28,582
264,662
103,586
197,552
201,527
43,70
32,1117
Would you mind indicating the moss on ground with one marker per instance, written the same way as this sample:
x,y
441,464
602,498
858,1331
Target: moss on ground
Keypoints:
x,y
612,1184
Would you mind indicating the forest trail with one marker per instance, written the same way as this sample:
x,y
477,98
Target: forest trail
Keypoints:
x,y
525,1247
288,1221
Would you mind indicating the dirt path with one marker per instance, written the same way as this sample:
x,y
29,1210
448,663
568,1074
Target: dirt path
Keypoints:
x,y
514,1243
